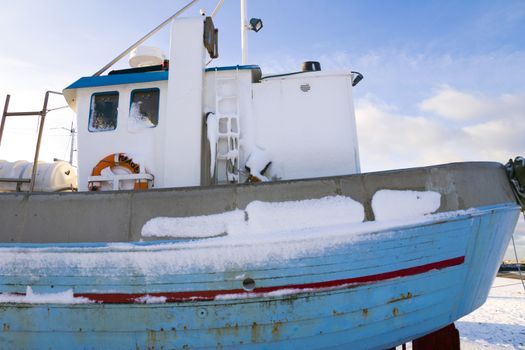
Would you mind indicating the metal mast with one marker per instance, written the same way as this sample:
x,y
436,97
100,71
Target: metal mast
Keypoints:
x,y
244,31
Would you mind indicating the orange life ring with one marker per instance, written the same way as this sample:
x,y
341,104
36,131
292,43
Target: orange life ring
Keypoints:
x,y
118,160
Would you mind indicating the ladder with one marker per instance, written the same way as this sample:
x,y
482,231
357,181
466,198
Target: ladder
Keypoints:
x,y
42,114
227,110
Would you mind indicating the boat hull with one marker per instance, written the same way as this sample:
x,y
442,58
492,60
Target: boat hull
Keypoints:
x,y
64,284
375,292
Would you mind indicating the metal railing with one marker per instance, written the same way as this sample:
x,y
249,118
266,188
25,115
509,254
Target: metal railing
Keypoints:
x,y
42,114
144,38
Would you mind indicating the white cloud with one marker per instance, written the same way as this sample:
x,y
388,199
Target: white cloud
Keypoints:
x,y
452,104
460,106
390,139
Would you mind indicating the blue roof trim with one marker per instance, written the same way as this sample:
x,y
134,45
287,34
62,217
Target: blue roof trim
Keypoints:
x,y
118,79
250,66
145,77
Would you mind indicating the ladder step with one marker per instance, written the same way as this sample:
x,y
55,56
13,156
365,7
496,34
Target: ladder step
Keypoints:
x,y
227,116
227,89
225,157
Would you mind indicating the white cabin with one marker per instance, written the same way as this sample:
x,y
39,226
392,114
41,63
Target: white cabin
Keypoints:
x,y
182,124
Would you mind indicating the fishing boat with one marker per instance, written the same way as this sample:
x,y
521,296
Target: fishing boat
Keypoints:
x,y
218,207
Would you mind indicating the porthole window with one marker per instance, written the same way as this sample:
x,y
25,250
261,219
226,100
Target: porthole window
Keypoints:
x,y
144,109
104,111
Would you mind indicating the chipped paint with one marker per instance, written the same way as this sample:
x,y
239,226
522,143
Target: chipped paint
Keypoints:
x,y
402,297
395,312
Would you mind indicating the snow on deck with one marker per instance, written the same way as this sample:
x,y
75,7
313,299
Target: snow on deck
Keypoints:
x,y
263,234
391,204
265,217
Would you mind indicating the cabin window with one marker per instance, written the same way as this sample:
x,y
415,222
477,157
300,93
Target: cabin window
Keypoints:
x,y
104,111
144,109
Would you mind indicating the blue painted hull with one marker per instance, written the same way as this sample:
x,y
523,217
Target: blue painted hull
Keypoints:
x,y
373,293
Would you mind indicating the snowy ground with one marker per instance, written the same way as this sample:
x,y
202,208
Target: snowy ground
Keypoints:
x,y
500,322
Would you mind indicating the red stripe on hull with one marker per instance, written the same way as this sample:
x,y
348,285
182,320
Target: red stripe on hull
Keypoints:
x,y
207,295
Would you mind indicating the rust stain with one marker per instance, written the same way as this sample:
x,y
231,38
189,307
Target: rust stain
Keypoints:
x,y
151,339
337,313
402,297
365,313
7,328
255,332
276,330
395,312
228,328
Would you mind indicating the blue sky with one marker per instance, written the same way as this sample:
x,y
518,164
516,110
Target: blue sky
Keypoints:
x,y
444,80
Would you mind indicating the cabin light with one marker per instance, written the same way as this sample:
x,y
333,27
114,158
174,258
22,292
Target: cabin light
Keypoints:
x,y
256,24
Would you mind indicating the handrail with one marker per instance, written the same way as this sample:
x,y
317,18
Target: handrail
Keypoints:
x,y
42,114
115,179
217,8
4,115
5,179
144,38
18,182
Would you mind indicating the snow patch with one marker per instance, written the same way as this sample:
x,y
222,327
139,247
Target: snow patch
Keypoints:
x,y
149,299
265,217
274,294
136,120
66,297
212,127
257,162
397,205
193,226
262,217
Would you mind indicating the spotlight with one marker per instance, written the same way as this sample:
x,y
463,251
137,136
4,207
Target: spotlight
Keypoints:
x,y
256,24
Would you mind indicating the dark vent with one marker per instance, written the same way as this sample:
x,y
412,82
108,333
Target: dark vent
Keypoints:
x,y
311,66
160,67
305,87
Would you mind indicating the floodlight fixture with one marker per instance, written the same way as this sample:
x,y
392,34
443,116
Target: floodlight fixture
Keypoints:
x,y
256,24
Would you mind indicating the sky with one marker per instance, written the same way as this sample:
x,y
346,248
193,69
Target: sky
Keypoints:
x,y
444,79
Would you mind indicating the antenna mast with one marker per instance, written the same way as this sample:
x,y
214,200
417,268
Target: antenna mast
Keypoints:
x,y
244,31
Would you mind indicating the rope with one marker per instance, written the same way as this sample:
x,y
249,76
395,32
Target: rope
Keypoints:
x,y
506,285
516,174
517,260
